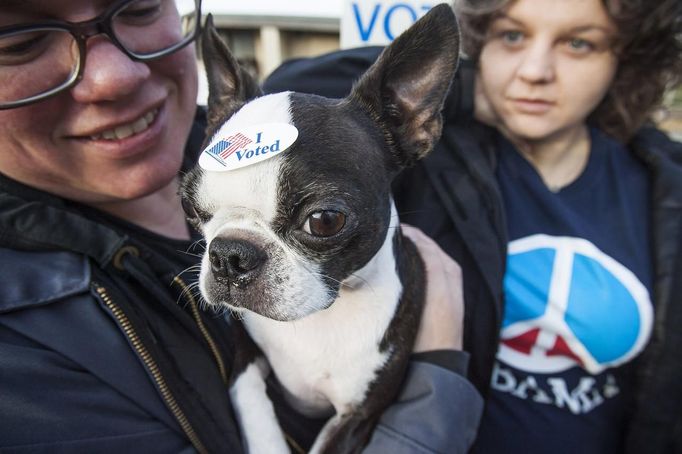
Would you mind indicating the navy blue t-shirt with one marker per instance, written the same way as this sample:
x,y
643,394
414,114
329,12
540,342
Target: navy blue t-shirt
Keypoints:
x,y
577,305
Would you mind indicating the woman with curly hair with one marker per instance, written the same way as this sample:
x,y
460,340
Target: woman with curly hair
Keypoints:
x,y
593,247
645,38
563,206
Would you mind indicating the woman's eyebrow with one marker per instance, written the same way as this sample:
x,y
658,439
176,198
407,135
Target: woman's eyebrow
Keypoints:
x,y
592,27
19,6
578,29
504,16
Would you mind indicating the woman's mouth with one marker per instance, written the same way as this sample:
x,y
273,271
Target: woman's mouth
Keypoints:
x,y
532,106
129,129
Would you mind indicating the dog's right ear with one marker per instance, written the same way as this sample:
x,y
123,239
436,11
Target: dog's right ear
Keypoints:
x,y
229,85
404,90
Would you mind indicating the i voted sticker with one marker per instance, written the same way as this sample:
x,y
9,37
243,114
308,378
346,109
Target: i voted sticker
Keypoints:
x,y
236,148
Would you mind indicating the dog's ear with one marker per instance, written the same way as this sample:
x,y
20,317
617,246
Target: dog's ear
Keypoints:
x,y
404,90
229,85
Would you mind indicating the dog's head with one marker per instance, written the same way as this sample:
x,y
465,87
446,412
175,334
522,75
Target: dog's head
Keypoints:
x,y
284,233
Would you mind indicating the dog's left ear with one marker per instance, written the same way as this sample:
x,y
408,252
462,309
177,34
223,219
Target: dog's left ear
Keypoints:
x,y
229,85
404,90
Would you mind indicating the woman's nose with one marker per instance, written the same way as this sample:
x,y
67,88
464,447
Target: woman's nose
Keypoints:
x,y
109,74
537,64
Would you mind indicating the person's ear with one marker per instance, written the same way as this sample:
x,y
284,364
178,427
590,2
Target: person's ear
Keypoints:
x,y
404,90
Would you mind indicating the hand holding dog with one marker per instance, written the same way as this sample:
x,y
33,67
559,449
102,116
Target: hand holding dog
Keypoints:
x,y
441,325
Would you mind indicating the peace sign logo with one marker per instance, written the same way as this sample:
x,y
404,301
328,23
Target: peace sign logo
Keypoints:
x,y
567,304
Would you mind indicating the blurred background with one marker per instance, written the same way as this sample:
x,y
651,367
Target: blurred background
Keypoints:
x,y
264,33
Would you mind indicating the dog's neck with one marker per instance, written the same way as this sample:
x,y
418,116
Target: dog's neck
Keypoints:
x,y
305,353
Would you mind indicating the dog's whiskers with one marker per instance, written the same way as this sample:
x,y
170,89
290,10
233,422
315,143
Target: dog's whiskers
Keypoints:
x,y
237,315
343,283
327,278
191,254
196,268
364,281
198,244
190,290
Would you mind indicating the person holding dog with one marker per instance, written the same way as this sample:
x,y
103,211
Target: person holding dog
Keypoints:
x,y
103,343
561,202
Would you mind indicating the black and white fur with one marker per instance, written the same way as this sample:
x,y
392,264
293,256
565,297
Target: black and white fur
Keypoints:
x,y
334,314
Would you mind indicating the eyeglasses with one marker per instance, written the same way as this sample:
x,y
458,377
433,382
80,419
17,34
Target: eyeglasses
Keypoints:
x,y
42,59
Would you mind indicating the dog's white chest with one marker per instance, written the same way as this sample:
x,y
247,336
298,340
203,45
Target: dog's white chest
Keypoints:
x,y
325,364
330,357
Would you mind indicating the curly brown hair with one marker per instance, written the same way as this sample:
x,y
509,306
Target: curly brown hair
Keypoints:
x,y
648,46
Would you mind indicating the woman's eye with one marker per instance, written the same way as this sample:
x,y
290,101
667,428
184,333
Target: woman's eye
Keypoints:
x,y
511,36
580,45
324,223
141,11
22,47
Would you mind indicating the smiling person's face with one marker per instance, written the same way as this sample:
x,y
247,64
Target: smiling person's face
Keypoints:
x,y
118,134
546,65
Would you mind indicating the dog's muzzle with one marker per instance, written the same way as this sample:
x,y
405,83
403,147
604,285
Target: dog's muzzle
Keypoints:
x,y
235,262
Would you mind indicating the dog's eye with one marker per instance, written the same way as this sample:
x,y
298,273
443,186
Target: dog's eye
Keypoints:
x,y
324,223
189,210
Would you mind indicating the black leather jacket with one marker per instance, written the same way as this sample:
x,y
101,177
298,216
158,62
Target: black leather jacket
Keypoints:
x,y
453,196
73,281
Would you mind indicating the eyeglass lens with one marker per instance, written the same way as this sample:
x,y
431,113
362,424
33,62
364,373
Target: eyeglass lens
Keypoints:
x,y
35,62
40,61
145,27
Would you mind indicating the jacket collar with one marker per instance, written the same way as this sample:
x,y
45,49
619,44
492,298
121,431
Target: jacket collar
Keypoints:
x,y
663,157
33,220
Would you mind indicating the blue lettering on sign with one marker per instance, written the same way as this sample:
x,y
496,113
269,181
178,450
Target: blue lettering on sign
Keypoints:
x,y
366,30
365,33
389,14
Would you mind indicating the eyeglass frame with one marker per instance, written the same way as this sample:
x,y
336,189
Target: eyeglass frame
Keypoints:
x,y
81,32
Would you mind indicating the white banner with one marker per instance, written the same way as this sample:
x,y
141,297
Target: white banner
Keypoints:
x,y
378,22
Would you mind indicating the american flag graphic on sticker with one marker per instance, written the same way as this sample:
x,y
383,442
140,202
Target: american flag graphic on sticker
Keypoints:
x,y
226,147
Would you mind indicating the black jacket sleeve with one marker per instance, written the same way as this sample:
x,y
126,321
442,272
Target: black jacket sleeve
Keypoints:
x,y
437,411
332,75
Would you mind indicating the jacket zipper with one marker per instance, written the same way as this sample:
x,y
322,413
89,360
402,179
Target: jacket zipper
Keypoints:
x,y
153,368
202,327
216,353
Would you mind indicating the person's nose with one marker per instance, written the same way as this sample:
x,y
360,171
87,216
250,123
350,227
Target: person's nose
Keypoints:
x,y
537,64
109,74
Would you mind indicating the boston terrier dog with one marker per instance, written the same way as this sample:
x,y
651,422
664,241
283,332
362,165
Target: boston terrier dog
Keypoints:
x,y
303,242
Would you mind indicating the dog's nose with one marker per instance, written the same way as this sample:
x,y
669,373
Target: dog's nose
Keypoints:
x,y
237,261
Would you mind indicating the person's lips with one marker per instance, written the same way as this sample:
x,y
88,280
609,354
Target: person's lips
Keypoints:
x,y
124,138
128,129
532,106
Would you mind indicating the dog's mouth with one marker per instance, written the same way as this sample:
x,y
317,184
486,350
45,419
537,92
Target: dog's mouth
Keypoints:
x,y
256,299
242,275
233,277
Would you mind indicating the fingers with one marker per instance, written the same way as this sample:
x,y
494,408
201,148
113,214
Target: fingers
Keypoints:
x,y
435,259
442,317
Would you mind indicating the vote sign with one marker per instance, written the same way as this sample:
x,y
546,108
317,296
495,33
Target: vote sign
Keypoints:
x,y
378,22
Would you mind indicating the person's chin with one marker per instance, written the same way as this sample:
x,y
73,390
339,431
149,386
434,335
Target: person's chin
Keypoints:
x,y
532,129
146,178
